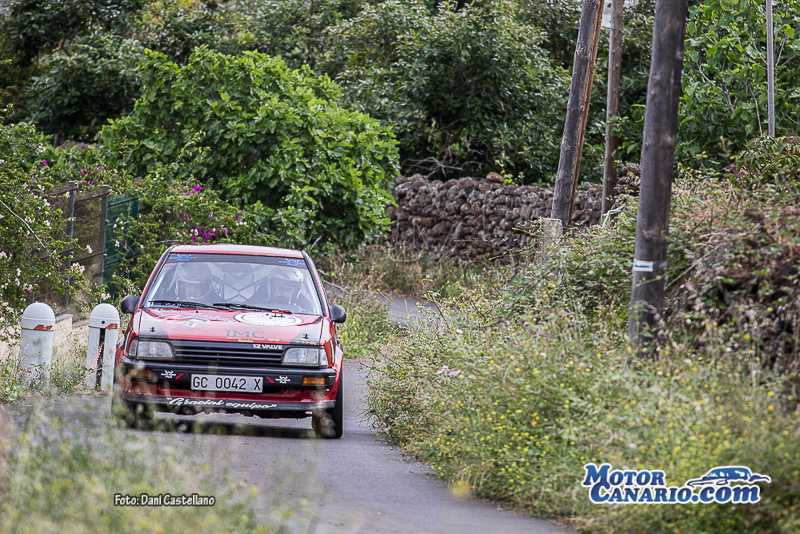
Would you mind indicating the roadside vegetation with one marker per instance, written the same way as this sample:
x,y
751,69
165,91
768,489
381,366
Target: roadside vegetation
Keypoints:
x,y
60,474
284,123
524,382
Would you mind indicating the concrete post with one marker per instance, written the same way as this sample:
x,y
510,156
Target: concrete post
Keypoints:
x,y
100,352
36,343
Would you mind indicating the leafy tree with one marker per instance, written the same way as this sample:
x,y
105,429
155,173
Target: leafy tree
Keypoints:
x,y
34,27
81,85
271,139
470,88
291,29
724,100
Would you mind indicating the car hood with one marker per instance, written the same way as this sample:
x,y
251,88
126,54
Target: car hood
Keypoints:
x,y
229,325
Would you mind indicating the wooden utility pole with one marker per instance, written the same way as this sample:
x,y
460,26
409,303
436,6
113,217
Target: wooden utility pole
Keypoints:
x,y
612,105
770,73
658,157
569,162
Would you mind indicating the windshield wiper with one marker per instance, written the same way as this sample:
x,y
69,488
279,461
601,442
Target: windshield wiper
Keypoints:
x,y
249,307
183,303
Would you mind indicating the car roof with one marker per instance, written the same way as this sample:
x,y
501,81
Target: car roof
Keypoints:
x,y
250,250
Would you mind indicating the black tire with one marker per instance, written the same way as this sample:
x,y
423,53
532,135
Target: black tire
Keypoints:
x,y
331,424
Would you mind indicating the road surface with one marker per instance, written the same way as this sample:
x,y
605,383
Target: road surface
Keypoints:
x,y
356,484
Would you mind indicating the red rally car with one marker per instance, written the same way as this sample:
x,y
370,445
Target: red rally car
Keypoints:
x,y
233,329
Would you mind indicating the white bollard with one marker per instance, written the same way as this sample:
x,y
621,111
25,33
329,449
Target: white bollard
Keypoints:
x,y
103,329
36,342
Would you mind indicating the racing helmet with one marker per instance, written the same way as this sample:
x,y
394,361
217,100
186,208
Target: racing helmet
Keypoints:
x,y
193,281
285,284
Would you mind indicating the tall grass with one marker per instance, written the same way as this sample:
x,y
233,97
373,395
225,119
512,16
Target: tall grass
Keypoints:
x,y
399,270
513,393
60,475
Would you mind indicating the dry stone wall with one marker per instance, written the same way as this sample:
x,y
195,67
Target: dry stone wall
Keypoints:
x,y
475,219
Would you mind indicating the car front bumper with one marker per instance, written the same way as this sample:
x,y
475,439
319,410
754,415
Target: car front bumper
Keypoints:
x,y
167,386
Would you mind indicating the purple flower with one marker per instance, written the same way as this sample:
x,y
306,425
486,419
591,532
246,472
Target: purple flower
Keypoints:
x,y
44,162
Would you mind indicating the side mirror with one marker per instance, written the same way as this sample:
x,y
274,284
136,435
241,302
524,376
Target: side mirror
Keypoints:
x,y
128,304
338,314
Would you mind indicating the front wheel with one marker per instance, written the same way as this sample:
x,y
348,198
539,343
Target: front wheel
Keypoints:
x,y
331,423
132,414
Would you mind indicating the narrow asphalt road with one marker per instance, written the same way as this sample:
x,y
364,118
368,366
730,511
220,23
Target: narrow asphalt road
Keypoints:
x,y
355,484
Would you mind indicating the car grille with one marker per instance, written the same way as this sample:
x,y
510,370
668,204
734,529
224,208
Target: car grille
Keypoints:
x,y
225,354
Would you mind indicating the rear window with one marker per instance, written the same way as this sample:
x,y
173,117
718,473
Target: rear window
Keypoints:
x,y
265,281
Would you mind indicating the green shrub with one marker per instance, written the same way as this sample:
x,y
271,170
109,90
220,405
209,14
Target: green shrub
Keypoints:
x,y
770,160
34,27
724,100
270,139
470,88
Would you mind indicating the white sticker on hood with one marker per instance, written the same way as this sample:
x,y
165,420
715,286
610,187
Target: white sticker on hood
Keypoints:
x,y
267,319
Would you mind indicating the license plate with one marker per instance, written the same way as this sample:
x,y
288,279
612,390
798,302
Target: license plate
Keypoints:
x,y
246,384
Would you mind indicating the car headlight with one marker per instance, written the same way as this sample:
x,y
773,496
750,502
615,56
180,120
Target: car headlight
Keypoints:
x,y
306,357
151,350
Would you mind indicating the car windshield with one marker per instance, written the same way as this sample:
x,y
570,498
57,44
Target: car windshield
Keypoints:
x,y
236,282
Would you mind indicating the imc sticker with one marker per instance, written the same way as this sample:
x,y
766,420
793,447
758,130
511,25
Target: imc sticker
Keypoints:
x,y
267,319
643,266
650,486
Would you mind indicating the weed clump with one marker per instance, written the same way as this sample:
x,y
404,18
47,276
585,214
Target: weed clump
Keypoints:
x,y
517,390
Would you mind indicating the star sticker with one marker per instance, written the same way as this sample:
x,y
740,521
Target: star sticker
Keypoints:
x,y
168,374
283,379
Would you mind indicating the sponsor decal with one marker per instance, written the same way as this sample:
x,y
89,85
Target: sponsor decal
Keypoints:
x,y
292,262
193,319
607,486
245,335
220,403
184,257
267,319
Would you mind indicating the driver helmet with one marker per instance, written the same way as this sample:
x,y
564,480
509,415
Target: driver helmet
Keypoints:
x,y
193,281
286,284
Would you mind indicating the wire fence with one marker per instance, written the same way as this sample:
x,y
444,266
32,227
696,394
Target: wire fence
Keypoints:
x,y
94,223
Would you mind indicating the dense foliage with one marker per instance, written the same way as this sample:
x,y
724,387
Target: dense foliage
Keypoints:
x,y
724,101
31,230
267,137
468,91
468,86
